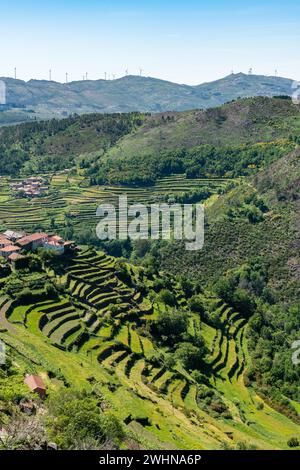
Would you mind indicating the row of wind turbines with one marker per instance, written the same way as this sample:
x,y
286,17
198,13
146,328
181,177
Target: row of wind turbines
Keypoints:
x,y
113,76
107,76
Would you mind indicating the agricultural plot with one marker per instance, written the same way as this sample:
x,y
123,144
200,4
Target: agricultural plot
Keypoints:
x,y
69,200
102,323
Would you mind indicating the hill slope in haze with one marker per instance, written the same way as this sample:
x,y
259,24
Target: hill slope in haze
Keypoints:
x,y
42,99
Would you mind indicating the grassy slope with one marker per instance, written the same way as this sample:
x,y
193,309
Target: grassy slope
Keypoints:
x,y
240,122
243,121
175,420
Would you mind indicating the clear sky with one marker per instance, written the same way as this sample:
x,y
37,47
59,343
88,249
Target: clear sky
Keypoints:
x,y
186,41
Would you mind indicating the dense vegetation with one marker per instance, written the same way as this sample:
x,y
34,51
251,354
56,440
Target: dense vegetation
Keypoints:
x,y
137,148
54,145
205,161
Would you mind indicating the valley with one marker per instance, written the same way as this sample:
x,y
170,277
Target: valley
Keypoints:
x,y
169,349
98,334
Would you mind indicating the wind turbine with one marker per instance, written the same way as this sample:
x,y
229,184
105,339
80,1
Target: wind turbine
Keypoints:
x,y
67,75
50,75
250,71
141,71
15,73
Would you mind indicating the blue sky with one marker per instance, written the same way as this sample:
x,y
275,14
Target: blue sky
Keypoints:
x,y
183,41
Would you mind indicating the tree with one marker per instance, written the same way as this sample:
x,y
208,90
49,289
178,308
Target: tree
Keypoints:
x,y
170,326
196,304
141,248
293,442
190,356
167,297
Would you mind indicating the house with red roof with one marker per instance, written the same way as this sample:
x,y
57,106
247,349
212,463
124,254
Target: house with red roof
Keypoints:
x,y
54,242
34,241
8,250
15,257
36,384
4,241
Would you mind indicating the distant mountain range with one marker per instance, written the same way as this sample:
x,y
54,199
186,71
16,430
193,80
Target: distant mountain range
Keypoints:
x,y
42,99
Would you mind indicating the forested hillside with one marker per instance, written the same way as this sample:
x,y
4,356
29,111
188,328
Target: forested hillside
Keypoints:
x,y
154,145
251,259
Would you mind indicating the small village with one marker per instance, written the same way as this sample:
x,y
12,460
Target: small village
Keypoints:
x,y
34,186
13,243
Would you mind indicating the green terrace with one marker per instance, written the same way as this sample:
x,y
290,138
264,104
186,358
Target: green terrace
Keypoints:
x,y
99,328
69,200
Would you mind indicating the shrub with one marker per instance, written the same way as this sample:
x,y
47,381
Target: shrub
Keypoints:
x,y
189,355
170,326
167,297
76,417
293,442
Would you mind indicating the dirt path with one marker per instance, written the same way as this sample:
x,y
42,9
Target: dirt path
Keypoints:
x,y
4,323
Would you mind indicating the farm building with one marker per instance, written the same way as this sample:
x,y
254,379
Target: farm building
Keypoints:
x,y
4,241
13,236
36,384
11,242
31,187
54,242
9,250
14,257
33,241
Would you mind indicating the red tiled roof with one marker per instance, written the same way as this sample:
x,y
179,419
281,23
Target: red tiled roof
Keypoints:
x,y
4,241
55,238
15,256
69,242
10,248
34,382
32,238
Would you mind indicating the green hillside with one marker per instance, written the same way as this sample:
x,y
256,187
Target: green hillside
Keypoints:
x,y
174,378
244,121
138,141
259,218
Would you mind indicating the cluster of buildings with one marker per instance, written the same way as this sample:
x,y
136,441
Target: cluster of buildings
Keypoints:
x,y
12,243
34,186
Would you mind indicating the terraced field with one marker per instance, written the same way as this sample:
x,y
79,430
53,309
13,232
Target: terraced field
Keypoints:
x,y
98,332
69,198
